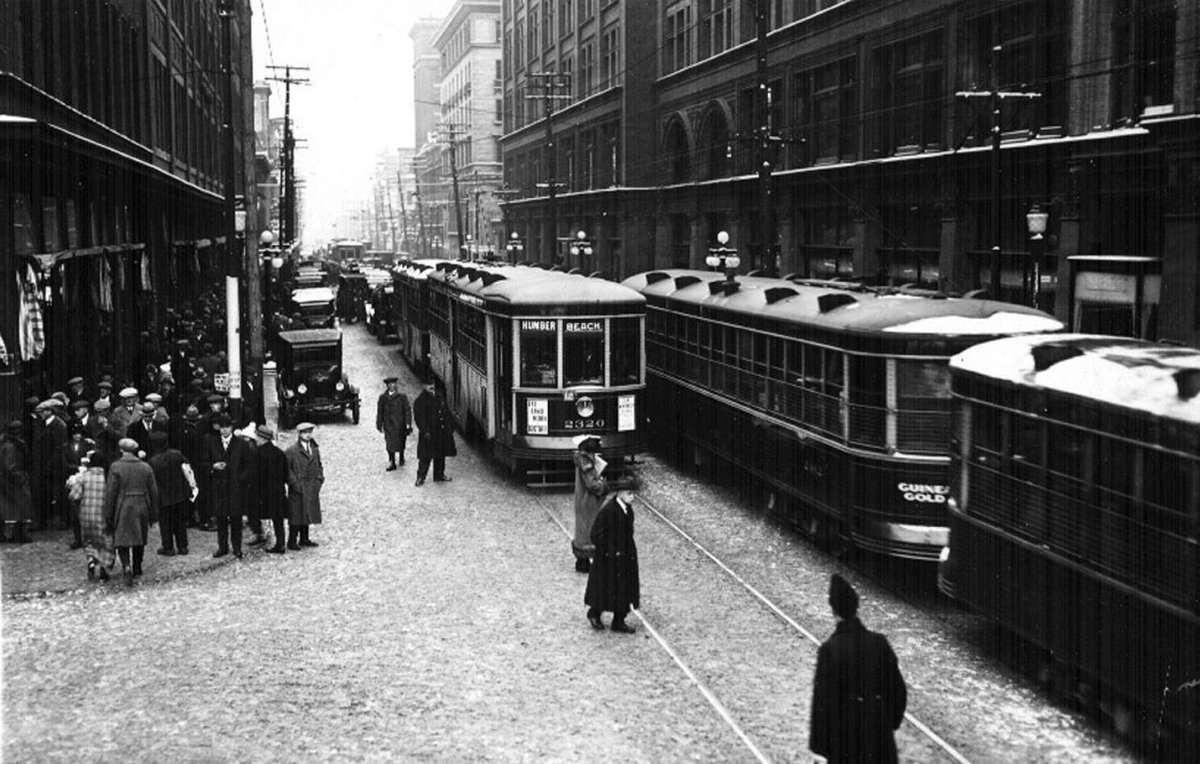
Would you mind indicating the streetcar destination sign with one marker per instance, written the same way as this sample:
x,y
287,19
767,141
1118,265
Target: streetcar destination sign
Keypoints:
x,y
584,327
538,326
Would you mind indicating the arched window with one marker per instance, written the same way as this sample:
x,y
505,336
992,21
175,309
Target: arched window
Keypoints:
x,y
714,148
677,152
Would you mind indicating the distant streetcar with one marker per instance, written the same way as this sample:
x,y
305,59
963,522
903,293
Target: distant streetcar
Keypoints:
x,y
1075,509
836,396
531,358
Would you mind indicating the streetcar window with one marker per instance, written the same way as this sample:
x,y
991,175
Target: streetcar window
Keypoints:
x,y
1115,475
759,358
868,376
812,367
539,358
1167,484
833,373
626,351
702,338
583,353
922,380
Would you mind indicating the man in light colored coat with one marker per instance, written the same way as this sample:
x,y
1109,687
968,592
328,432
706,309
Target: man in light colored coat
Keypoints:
x,y
305,476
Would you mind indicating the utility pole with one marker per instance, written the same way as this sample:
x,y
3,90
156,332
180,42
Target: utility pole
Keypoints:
x,y
420,213
451,132
287,214
404,247
233,318
766,136
996,97
550,87
387,194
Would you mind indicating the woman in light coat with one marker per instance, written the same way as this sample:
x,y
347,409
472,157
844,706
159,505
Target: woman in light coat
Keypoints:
x,y
86,487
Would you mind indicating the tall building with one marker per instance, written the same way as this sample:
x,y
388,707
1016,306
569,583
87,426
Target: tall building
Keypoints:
x,y
112,192
854,140
427,74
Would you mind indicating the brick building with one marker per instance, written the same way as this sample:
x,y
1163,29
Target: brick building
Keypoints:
x,y
881,164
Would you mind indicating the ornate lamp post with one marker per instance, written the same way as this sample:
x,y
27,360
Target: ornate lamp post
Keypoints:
x,y
1035,221
515,247
581,247
723,257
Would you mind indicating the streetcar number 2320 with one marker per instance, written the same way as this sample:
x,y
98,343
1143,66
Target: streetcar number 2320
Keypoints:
x,y
582,424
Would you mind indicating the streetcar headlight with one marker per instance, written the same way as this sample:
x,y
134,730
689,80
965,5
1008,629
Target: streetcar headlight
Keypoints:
x,y
302,389
585,406
340,386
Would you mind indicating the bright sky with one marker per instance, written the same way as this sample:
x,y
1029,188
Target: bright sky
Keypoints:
x,y
361,97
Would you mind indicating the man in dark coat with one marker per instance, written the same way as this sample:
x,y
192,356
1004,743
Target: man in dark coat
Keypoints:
x,y
393,417
436,439
190,440
130,506
16,505
613,583
226,461
270,482
176,490
49,468
859,696
149,423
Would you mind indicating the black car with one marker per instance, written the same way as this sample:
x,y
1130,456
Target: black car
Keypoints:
x,y
380,318
315,306
309,378
353,293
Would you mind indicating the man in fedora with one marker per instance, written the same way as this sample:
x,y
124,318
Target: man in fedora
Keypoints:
x,y
141,430
859,696
613,581
271,477
227,462
436,439
393,417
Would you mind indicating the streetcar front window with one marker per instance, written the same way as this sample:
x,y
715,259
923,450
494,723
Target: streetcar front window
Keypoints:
x,y
539,358
583,353
626,351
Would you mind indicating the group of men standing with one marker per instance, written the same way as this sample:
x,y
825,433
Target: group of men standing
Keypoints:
x,y
394,417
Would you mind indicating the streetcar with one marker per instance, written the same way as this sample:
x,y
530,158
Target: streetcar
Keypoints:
x,y
834,395
531,358
408,310
1074,511
346,251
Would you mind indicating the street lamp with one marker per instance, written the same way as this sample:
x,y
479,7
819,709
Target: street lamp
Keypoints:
x,y
470,248
514,247
723,257
581,247
1035,221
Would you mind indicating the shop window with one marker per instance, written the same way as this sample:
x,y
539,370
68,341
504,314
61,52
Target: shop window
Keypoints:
x,y
908,94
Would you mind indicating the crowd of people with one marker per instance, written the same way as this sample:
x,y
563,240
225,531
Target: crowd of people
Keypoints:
x,y
107,459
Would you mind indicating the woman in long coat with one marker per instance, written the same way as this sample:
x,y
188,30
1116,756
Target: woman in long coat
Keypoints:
x,y
305,476
87,487
16,502
613,582
590,488
130,504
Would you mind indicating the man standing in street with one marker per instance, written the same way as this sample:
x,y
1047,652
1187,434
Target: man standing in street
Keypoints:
x,y
226,462
590,488
859,696
613,582
271,478
436,439
305,476
127,413
49,468
393,417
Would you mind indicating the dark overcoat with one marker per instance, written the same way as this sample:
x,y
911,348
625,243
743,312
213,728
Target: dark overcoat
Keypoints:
x,y
226,488
305,476
130,500
590,488
271,482
613,584
433,419
393,417
49,439
140,433
16,503
859,697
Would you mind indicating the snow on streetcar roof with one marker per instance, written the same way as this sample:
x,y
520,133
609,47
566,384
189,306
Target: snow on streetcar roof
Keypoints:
x,y
1130,373
536,286
854,308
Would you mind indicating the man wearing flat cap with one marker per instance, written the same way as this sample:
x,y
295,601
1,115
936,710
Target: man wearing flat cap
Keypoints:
x,y
306,474
590,489
859,696
104,392
75,389
227,462
81,415
393,417
127,413
49,468
130,505
271,476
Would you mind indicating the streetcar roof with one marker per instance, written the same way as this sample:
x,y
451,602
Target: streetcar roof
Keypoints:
x,y
311,336
416,269
846,306
520,285
1125,372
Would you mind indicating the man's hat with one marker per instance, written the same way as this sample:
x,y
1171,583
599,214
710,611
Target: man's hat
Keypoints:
x,y
80,403
305,427
390,380
265,432
32,400
224,420
192,413
61,397
588,442
75,381
129,392
154,398
101,406
216,398
45,405
15,425
127,444
103,384
629,481
842,597
148,408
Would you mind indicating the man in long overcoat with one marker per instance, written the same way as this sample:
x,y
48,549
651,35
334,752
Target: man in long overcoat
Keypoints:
x,y
613,582
590,489
271,483
436,439
16,504
49,468
130,505
305,476
393,417
859,696
227,463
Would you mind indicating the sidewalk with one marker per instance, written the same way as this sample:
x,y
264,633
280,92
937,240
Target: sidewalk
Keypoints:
x,y
47,565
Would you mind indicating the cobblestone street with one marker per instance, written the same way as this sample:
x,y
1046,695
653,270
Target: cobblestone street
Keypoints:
x,y
445,622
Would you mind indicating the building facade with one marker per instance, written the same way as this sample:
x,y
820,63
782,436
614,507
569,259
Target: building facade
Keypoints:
x,y
874,123
111,190
427,76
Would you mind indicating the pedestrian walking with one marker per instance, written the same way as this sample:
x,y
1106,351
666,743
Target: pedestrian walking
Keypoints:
x,y
227,463
270,482
613,583
130,506
305,476
590,489
436,438
88,488
859,696
176,492
16,503
393,417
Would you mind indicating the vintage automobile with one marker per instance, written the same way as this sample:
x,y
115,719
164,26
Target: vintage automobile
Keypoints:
x,y
353,293
381,319
315,306
309,377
